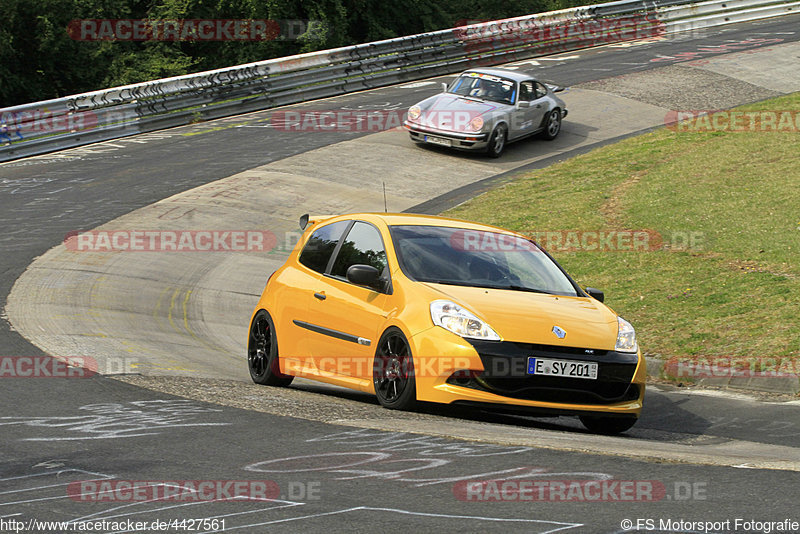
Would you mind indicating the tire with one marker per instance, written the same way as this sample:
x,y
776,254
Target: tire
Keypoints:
x,y
262,352
607,425
393,372
497,141
552,125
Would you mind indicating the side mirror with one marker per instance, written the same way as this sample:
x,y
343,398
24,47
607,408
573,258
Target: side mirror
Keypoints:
x,y
523,104
595,294
364,275
444,87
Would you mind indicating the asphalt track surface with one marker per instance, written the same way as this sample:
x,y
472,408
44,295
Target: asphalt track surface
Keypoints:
x,y
331,477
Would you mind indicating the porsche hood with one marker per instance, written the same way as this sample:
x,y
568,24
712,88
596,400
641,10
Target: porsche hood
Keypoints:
x,y
452,112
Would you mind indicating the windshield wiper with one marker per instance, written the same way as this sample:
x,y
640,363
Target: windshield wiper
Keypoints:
x,y
514,287
465,283
445,282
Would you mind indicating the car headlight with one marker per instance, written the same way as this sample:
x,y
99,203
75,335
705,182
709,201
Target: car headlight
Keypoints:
x,y
414,112
456,319
626,337
476,124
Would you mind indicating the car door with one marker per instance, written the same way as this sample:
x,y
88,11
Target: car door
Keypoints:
x,y
296,291
541,104
529,117
348,317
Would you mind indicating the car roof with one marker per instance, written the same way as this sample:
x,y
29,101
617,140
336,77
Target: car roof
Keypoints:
x,y
413,219
510,74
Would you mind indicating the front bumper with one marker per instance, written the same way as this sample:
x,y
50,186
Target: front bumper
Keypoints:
x,y
505,373
493,373
464,141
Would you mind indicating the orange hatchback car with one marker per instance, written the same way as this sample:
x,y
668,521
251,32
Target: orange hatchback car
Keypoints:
x,y
416,308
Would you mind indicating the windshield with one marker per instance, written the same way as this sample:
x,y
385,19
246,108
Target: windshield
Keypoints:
x,y
477,258
484,87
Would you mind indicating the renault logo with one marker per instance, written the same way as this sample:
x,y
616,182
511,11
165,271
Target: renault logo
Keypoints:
x,y
559,332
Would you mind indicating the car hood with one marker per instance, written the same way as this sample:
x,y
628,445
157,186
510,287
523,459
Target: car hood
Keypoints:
x,y
527,317
445,110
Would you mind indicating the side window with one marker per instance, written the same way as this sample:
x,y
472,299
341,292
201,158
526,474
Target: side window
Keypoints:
x,y
541,90
526,91
317,251
362,245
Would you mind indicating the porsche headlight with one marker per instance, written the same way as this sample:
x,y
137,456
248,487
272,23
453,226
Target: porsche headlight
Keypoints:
x,y
414,112
456,319
476,124
626,337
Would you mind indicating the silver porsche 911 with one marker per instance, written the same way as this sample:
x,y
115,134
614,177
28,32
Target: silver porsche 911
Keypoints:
x,y
484,109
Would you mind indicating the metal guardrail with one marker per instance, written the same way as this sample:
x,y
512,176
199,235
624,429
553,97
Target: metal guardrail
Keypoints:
x,y
52,125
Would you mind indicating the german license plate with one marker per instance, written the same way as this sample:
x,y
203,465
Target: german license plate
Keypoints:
x,y
438,140
562,368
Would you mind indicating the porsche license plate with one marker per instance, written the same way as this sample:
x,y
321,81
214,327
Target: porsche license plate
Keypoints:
x,y
437,140
562,368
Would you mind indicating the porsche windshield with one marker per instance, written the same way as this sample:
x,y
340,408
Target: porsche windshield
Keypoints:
x,y
477,258
484,87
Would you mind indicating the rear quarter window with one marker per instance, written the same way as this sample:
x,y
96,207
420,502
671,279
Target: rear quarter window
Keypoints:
x,y
318,249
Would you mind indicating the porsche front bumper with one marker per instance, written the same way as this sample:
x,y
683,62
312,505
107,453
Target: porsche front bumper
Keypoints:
x,y
464,141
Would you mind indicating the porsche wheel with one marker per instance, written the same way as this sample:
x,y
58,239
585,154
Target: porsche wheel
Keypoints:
x,y
552,125
497,142
607,425
262,352
393,372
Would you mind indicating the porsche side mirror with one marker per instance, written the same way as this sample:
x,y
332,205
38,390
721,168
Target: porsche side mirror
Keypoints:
x,y
523,104
595,294
444,87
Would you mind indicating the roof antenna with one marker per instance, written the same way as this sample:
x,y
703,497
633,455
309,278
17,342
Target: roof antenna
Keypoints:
x,y
385,209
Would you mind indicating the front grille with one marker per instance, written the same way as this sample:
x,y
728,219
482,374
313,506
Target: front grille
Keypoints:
x,y
505,373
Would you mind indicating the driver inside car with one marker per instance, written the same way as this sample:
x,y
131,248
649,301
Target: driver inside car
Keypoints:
x,y
478,90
